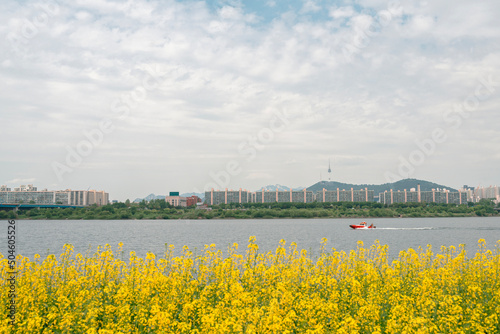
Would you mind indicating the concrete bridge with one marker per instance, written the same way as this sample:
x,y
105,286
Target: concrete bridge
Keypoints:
x,y
18,206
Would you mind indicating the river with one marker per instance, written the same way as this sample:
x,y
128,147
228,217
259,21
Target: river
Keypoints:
x,y
48,236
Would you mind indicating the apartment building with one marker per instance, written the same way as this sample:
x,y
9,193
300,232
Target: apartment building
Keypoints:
x,y
216,197
362,195
418,196
30,195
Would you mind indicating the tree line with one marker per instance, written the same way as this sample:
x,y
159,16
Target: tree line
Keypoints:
x,y
160,209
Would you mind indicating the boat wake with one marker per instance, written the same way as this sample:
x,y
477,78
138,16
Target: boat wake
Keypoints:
x,y
441,228
406,228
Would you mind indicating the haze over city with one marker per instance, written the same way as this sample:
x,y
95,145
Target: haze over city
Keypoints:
x,y
155,96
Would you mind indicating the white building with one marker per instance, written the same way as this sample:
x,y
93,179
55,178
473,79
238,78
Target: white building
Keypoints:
x,y
30,195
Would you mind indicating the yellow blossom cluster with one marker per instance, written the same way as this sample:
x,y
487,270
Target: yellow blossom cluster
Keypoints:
x,y
284,291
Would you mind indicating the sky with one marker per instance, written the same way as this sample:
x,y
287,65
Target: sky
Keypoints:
x,y
139,97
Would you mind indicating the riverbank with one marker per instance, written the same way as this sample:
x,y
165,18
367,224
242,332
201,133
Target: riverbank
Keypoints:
x,y
160,210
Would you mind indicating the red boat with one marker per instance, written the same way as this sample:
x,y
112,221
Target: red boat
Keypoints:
x,y
361,226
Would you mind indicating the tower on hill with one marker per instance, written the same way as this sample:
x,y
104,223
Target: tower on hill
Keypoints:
x,y
329,171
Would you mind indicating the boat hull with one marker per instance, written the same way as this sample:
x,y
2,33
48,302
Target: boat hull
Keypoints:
x,y
361,227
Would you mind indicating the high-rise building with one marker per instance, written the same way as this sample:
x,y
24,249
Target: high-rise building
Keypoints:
x,y
363,195
30,195
284,196
192,200
216,197
491,192
470,193
418,196
176,200
24,187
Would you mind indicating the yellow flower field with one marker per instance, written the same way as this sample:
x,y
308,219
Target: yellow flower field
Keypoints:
x,y
286,291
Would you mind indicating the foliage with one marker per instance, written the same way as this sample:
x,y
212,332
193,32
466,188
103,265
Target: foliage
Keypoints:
x,y
159,209
285,291
400,185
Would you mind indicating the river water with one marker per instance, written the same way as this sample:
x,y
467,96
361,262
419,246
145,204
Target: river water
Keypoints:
x,y
48,236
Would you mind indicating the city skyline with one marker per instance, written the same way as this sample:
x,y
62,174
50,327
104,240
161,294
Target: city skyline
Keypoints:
x,y
143,97
75,197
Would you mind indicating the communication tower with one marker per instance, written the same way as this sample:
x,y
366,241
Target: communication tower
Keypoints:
x,y
329,171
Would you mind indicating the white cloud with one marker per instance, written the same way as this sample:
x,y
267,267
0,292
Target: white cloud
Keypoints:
x,y
422,23
341,12
271,3
225,73
310,6
20,181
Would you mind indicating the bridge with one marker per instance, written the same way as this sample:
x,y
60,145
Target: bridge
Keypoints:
x,y
32,206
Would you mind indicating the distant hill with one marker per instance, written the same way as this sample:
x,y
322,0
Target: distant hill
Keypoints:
x,y
279,187
153,196
380,188
149,198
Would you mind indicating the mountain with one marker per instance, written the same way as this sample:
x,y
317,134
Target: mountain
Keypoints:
x,y
279,187
149,198
380,188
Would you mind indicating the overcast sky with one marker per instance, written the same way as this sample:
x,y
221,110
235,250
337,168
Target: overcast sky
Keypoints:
x,y
139,97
